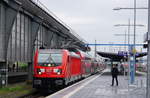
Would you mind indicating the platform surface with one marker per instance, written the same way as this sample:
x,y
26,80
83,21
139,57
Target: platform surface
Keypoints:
x,y
99,86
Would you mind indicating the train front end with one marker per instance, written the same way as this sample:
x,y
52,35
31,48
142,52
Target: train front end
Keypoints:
x,y
48,68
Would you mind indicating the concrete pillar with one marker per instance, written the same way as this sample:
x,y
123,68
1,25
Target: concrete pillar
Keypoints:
x,y
2,32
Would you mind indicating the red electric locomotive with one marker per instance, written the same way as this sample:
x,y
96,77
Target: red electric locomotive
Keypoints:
x,y
55,67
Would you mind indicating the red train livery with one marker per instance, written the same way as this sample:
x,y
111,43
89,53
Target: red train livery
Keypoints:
x,y
55,67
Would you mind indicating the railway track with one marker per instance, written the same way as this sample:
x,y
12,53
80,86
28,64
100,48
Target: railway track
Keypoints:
x,y
41,94
35,96
38,94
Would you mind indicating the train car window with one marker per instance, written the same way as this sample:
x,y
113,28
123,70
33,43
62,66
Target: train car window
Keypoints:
x,y
50,59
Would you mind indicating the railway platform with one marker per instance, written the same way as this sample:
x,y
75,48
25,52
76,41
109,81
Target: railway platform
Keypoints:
x,y
99,86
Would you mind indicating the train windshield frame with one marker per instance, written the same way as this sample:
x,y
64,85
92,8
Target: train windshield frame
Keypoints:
x,y
50,59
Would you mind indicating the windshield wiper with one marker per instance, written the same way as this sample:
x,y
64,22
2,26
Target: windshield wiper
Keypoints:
x,y
50,59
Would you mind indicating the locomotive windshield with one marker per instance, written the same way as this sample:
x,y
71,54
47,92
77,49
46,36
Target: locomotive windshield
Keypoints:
x,y
50,59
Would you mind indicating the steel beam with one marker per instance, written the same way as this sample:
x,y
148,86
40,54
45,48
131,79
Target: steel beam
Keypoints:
x,y
34,32
9,25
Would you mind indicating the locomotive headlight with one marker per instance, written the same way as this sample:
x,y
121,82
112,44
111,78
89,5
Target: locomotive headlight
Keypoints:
x,y
49,65
58,71
40,73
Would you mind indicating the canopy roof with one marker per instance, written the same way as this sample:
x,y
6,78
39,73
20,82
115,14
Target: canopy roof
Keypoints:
x,y
116,57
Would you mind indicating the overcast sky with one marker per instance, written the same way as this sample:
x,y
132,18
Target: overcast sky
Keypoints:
x,y
95,19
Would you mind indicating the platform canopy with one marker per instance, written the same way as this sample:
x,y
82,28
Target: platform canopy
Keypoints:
x,y
116,57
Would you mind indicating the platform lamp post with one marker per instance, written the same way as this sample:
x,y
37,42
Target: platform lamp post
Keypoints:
x,y
148,58
135,8
129,25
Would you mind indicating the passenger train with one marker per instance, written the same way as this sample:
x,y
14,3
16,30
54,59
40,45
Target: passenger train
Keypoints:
x,y
59,67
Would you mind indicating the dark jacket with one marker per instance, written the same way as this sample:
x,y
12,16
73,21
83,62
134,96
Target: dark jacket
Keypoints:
x,y
114,71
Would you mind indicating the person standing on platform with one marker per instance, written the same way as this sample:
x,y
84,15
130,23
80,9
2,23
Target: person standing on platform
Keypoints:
x,y
114,73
